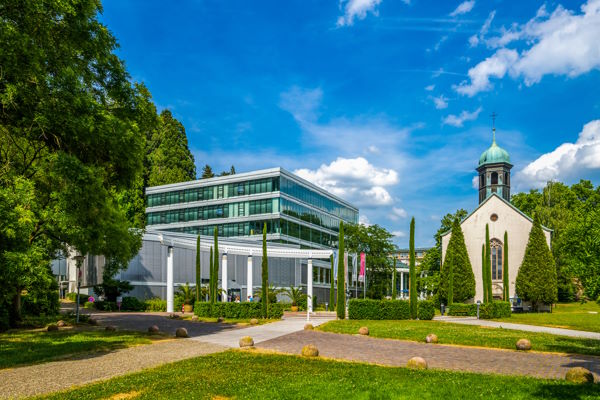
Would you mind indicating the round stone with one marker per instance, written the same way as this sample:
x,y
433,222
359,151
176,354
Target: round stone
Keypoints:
x,y
220,319
246,341
153,329
523,344
363,331
52,327
579,375
61,323
195,318
174,316
253,321
111,328
181,333
310,350
417,363
431,338
309,327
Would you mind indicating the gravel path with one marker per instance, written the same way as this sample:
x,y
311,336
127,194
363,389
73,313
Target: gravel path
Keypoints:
x,y
60,375
519,327
397,353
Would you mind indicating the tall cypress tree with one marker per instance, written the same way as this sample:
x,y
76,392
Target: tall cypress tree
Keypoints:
x,y
394,292
265,275
412,271
505,281
483,279
536,280
211,280
488,265
457,282
198,277
341,290
216,263
332,285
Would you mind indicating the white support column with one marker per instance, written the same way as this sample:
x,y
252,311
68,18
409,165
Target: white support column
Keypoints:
x,y
224,278
249,283
309,289
170,279
402,285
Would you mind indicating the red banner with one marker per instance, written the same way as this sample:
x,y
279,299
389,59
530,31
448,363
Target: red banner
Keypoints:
x,y
363,265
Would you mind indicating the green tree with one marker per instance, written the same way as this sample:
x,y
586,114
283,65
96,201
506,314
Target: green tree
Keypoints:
x,y
394,292
198,274
488,266
483,278
457,275
207,172
341,287
216,263
331,284
211,281
536,281
265,275
412,271
505,281
170,158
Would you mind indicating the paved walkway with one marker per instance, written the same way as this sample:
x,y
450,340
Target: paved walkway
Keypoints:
x,y
397,353
519,327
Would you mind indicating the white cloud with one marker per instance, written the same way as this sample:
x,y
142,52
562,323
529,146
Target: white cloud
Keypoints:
x,y
302,103
430,88
440,102
355,180
479,37
475,182
568,161
399,234
459,120
373,149
364,220
560,43
356,9
398,213
463,8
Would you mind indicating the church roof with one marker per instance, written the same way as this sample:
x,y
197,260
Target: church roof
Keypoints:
x,y
495,154
504,201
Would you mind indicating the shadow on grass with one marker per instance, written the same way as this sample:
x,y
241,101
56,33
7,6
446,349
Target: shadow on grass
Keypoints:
x,y
562,391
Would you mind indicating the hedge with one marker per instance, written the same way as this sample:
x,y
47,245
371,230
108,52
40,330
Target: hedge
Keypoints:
x,y
495,309
73,297
237,310
378,309
425,310
461,309
132,304
105,305
156,304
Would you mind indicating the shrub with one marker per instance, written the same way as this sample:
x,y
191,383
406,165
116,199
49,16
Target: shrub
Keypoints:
x,y
156,304
496,309
236,310
460,309
41,302
106,306
88,305
132,304
425,310
73,297
378,309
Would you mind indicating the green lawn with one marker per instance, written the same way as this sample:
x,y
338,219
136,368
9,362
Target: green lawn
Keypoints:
x,y
464,335
36,346
584,317
251,375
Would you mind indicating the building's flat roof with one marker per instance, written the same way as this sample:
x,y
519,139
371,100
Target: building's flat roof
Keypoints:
x,y
263,173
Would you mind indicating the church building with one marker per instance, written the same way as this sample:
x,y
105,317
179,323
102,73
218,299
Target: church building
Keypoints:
x,y
495,210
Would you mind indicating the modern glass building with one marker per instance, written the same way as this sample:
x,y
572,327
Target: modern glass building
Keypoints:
x,y
295,210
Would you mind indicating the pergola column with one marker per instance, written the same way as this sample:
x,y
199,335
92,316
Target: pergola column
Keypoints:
x,y
249,284
170,279
309,289
224,278
402,284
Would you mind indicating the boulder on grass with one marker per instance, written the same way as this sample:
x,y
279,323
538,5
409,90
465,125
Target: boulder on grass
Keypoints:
x,y
579,375
309,327
181,333
52,327
220,319
417,363
153,329
61,323
310,350
253,321
195,318
363,331
431,338
246,341
111,328
523,344
173,316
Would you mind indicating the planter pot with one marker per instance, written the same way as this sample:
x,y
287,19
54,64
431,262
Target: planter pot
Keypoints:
x,y
294,308
188,308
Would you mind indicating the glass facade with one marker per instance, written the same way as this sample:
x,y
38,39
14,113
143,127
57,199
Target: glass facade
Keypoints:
x,y
305,217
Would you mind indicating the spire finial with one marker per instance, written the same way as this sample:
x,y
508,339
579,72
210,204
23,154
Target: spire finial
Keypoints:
x,y
493,115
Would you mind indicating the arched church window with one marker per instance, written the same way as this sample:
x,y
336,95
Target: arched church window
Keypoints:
x,y
494,178
497,258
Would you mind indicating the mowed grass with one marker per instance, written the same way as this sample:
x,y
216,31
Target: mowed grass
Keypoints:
x,y
467,335
24,347
252,375
584,317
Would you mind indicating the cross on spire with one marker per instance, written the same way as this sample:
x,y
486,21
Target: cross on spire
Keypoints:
x,y
494,115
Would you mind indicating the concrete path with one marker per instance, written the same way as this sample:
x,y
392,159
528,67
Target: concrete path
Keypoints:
x,y
398,352
519,327
61,375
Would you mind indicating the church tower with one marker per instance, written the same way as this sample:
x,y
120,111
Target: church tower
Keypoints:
x,y
494,172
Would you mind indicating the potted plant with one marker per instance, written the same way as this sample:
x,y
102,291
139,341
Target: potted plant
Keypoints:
x,y
187,294
296,296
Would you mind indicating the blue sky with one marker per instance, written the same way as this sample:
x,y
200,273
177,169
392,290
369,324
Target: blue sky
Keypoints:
x,y
384,102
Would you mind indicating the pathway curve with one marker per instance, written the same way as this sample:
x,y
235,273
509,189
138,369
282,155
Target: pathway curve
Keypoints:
x,y
519,327
397,353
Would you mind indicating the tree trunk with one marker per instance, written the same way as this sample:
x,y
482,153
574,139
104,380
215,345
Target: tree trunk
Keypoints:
x,y
17,306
